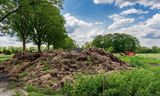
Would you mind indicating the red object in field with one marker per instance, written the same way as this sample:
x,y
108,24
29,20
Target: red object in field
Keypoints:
x,y
129,53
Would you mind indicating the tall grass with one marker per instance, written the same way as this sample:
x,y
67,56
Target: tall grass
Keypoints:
x,y
138,82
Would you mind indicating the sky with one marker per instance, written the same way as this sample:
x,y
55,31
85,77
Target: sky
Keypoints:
x,y
86,19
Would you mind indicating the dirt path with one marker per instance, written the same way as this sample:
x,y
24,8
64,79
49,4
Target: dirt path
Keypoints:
x,y
4,83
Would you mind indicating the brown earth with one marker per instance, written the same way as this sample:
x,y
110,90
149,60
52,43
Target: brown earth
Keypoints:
x,y
52,69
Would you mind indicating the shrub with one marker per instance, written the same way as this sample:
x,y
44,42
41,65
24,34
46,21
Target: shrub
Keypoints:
x,y
7,52
138,82
89,85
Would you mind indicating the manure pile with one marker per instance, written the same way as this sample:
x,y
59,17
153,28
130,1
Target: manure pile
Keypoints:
x,y
52,69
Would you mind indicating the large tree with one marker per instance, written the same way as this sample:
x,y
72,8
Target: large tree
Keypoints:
x,y
119,42
48,25
20,23
33,20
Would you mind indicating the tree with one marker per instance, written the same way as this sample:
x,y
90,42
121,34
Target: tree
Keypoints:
x,y
118,42
48,25
87,45
21,25
69,44
103,41
34,20
9,7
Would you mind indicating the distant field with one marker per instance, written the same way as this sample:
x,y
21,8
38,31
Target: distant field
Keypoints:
x,y
142,60
151,55
4,57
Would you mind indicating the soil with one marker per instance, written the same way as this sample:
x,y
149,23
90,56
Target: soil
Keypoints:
x,y
52,69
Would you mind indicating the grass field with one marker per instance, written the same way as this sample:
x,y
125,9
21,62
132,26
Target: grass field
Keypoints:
x,y
150,55
4,57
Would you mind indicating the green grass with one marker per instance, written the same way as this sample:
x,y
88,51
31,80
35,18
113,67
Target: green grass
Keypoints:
x,y
150,55
137,82
142,60
36,91
5,57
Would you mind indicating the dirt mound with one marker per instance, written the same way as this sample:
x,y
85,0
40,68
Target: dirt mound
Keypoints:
x,y
52,69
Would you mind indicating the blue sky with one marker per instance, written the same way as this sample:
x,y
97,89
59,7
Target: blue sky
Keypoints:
x,y
85,19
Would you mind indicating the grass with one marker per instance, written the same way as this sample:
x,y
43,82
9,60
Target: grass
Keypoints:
x,y
36,91
150,55
137,82
142,60
4,57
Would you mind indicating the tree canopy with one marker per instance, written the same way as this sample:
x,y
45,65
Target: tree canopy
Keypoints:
x,y
119,42
8,7
40,22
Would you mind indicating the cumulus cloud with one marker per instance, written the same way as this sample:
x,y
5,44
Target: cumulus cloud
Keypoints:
x,y
147,32
123,3
119,21
133,11
82,31
103,1
72,23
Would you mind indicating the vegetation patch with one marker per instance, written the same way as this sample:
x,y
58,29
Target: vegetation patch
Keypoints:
x,y
141,61
138,82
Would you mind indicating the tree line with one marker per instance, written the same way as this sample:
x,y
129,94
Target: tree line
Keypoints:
x,y
115,42
36,21
118,43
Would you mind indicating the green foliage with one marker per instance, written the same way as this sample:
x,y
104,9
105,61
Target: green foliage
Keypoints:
x,y
36,21
68,44
87,45
85,86
142,49
119,42
35,91
7,51
140,61
138,82
4,57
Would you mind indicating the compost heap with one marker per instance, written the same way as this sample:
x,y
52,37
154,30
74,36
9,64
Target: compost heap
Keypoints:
x,y
52,69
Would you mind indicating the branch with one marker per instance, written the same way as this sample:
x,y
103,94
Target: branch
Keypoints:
x,y
1,19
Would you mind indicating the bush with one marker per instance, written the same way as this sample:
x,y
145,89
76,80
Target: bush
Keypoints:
x,y
7,52
85,86
138,82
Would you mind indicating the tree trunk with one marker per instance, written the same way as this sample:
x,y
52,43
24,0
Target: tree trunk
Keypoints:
x,y
39,47
48,47
24,45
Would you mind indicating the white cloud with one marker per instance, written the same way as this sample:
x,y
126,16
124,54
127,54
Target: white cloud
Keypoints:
x,y
9,41
103,1
124,3
147,32
133,11
82,31
119,21
154,22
